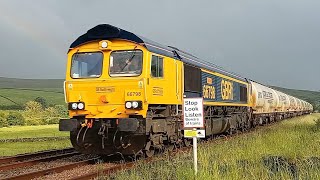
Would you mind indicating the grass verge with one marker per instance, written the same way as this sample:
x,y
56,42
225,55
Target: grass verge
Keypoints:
x,y
287,150
31,131
10,149
13,148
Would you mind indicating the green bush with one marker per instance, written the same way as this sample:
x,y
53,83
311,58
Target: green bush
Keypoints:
x,y
34,121
50,112
42,101
53,120
15,118
33,110
3,120
33,106
61,110
34,114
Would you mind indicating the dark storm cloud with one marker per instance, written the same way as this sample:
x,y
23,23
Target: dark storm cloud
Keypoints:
x,y
272,41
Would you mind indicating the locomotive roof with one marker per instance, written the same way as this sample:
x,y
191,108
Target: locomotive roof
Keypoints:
x,y
107,32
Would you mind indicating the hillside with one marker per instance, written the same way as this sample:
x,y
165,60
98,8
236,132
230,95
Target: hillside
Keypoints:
x,y
31,83
14,93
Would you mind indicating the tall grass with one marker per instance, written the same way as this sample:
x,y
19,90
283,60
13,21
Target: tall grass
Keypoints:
x,y
287,150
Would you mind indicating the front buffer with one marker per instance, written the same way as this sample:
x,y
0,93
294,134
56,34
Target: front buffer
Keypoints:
x,y
125,136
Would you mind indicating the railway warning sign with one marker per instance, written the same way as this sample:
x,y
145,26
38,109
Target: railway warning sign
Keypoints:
x,y
193,118
193,112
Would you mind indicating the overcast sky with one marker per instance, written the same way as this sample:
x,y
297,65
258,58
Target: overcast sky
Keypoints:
x,y
275,42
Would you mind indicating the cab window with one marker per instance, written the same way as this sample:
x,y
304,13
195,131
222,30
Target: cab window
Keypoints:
x,y
125,63
157,66
86,65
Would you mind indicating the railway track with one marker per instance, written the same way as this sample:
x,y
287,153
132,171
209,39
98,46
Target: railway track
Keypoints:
x,y
57,169
16,167
36,161
29,160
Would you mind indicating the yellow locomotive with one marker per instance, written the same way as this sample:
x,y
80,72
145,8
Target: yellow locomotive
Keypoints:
x,y
125,94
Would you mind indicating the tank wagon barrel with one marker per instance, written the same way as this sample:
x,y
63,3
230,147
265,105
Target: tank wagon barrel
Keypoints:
x,y
272,104
125,95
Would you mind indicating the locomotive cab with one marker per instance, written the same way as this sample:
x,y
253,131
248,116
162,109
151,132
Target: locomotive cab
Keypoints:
x,y
111,84
106,95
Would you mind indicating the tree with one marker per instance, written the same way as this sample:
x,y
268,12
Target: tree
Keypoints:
x,y
42,101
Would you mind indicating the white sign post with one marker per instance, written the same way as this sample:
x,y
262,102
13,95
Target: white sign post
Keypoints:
x,y
193,118
195,154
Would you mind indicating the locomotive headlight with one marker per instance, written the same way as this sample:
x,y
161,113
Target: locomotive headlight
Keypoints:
x,y
80,106
135,104
128,105
104,44
74,106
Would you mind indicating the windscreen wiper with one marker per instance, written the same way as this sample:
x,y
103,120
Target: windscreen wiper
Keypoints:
x,y
130,59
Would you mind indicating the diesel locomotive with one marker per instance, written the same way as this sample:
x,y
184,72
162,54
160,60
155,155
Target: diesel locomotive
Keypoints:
x,y
125,95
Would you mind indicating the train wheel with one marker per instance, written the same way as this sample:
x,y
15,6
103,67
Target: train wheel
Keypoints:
x,y
73,139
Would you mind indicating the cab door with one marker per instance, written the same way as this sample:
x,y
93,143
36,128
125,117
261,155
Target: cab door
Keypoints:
x,y
163,80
